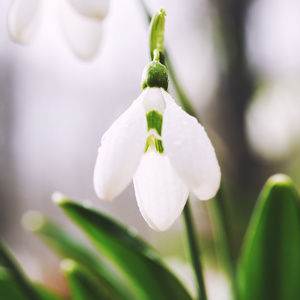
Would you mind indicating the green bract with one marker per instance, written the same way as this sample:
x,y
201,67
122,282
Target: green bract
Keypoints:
x,y
157,35
155,74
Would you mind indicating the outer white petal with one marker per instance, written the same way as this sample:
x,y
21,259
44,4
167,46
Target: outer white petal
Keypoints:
x,y
22,20
81,33
160,193
122,147
190,151
91,8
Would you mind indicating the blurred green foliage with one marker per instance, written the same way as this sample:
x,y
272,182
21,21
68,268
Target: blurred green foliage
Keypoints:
x,y
126,268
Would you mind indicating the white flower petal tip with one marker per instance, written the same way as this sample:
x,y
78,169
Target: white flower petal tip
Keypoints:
x,y
190,151
97,9
82,34
105,190
160,193
23,19
122,147
206,193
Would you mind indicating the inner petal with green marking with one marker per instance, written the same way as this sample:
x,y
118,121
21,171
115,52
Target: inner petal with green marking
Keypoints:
x,y
154,143
154,121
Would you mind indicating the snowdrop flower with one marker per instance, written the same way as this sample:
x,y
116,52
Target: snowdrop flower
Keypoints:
x,y
81,22
165,150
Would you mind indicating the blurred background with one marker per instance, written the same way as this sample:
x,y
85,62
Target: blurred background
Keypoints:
x,y
237,61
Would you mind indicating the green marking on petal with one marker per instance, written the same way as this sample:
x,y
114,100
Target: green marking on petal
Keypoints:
x,y
159,146
149,142
154,143
154,121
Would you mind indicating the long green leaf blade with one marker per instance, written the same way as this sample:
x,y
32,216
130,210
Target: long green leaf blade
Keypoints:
x,y
270,262
82,284
45,293
8,261
67,247
149,278
10,290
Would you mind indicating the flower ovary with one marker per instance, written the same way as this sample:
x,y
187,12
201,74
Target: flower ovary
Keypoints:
x,y
155,74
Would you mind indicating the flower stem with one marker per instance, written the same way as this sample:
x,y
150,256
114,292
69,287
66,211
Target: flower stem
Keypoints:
x,y
222,238
220,222
194,251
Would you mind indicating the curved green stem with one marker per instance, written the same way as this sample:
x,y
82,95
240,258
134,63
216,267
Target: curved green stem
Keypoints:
x,y
194,251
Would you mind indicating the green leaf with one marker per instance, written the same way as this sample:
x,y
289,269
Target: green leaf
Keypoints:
x,y
10,290
45,293
7,260
67,247
148,276
270,262
82,284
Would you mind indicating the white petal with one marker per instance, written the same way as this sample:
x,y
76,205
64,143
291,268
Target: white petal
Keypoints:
x,y
119,155
81,33
160,194
91,8
22,20
190,150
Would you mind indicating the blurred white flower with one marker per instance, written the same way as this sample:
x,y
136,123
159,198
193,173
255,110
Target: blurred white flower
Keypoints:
x,y
272,119
81,23
165,150
273,38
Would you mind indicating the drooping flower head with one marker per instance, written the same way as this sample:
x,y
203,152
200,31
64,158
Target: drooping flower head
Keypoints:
x,y
164,149
81,22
